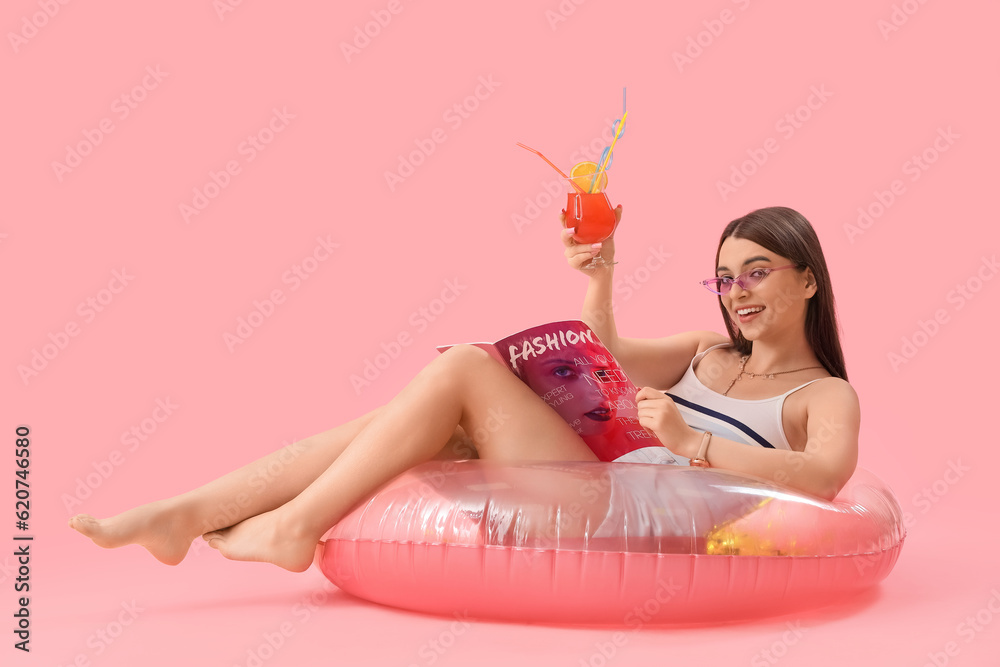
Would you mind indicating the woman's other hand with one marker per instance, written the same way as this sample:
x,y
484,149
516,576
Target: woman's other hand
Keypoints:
x,y
658,413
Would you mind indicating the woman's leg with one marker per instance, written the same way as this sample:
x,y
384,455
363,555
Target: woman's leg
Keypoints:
x,y
465,387
167,527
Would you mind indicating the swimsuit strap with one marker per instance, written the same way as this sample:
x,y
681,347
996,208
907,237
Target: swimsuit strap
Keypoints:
x,y
701,354
801,386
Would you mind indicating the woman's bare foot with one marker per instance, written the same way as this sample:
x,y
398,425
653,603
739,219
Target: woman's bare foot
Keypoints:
x,y
156,526
266,539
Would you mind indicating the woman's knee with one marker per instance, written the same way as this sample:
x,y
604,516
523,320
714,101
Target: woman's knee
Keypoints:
x,y
466,353
462,361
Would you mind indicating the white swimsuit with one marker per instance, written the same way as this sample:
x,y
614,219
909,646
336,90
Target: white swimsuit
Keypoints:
x,y
753,422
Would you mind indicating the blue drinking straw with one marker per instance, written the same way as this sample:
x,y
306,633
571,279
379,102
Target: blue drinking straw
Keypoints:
x,y
605,162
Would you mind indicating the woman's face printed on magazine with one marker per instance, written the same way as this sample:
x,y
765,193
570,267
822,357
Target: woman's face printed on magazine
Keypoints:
x,y
571,381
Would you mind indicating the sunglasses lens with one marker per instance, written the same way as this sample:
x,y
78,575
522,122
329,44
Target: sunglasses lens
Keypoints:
x,y
751,279
718,285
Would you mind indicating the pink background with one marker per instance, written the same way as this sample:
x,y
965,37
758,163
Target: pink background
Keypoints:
x,y
467,214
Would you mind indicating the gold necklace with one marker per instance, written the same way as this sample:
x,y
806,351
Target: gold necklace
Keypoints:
x,y
766,376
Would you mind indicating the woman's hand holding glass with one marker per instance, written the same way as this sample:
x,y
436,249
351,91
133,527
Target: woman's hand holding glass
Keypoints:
x,y
579,255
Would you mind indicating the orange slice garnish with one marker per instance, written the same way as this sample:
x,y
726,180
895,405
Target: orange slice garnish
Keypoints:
x,y
582,175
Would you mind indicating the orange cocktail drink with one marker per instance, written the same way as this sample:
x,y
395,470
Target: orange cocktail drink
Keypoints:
x,y
587,206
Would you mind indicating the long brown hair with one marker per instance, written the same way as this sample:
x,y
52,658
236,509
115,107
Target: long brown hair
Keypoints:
x,y
786,232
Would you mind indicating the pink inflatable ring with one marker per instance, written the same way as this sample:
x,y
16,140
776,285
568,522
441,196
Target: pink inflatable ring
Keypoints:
x,y
609,543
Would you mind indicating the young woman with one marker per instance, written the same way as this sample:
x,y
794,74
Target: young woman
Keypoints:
x,y
777,383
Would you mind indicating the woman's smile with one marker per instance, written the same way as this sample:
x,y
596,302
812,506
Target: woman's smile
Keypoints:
x,y
747,313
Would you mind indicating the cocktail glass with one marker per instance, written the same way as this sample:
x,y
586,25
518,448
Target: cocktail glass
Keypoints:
x,y
593,217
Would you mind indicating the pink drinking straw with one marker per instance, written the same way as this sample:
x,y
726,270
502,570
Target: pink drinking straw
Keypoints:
x,y
549,162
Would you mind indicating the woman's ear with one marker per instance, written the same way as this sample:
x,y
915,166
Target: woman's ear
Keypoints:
x,y
811,286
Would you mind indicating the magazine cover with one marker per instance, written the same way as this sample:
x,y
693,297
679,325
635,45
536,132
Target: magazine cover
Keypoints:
x,y
566,364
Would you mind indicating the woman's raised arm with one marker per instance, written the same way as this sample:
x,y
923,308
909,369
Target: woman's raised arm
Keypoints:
x,y
653,362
